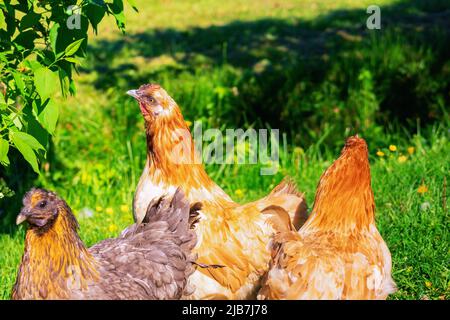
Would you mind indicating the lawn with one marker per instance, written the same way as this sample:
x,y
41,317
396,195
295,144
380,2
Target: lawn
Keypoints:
x,y
309,68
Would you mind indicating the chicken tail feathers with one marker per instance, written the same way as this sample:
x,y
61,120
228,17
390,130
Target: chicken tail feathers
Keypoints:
x,y
176,212
286,186
279,220
287,189
181,219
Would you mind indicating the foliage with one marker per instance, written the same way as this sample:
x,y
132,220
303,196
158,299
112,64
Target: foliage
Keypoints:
x,y
40,46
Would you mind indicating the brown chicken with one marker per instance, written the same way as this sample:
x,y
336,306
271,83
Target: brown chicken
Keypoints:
x,y
232,235
338,253
149,260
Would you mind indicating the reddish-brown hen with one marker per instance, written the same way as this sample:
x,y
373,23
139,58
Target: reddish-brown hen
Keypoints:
x,y
233,235
338,253
149,260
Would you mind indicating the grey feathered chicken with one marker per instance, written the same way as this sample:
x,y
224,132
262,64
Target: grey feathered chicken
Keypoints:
x,y
150,260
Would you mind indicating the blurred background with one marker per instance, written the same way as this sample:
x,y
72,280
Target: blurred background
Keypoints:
x,y
309,68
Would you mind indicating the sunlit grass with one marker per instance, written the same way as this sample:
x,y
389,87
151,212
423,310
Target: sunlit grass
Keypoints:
x,y
181,14
412,220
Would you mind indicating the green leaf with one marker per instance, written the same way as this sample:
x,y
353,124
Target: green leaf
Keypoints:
x,y
68,36
133,5
10,19
35,128
15,118
53,35
25,149
4,147
3,56
32,64
19,82
26,39
73,60
95,14
99,3
46,82
72,87
2,20
29,20
73,47
49,116
2,99
28,139
64,81
21,5
116,9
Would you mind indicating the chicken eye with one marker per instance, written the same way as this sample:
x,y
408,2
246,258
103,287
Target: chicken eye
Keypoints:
x,y
42,204
150,100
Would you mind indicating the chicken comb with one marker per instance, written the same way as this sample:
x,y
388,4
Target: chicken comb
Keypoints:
x,y
150,87
354,141
37,194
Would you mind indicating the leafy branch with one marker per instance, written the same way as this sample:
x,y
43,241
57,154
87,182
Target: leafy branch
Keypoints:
x,y
41,43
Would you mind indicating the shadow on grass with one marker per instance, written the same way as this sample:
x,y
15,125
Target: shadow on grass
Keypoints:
x,y
283,62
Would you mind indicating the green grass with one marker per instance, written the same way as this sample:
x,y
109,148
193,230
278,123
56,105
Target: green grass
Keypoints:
x,y
417,237
308,68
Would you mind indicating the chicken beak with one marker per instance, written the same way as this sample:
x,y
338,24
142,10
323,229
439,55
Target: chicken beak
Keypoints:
x,y
133,93
21,218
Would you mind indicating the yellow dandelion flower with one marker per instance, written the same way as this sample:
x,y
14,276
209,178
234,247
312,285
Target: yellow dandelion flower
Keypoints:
x,y
411,150
428,284
393,147
402,159
422,189
112,228
124,208
380,153
188,123
298,150
84,177
238,192
98,209
109,211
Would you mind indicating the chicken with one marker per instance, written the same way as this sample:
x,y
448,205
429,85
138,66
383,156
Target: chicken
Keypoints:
x,y
338,253
149,260
232,235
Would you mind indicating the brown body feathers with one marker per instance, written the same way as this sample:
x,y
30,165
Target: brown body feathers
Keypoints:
x,y
150,260
233,235
338,253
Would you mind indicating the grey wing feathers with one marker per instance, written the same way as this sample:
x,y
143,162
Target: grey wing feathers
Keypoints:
x,y
153,259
